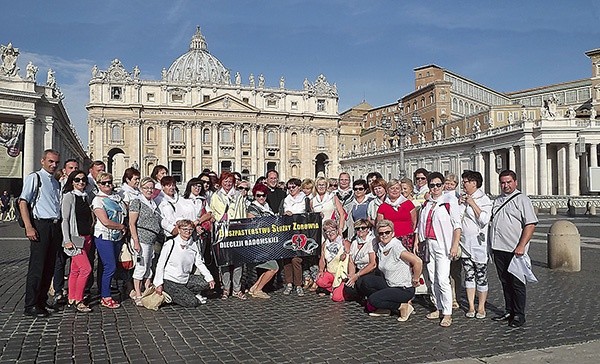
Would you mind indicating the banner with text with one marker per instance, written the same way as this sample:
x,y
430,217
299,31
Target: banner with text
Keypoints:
x,y
264,238
11,147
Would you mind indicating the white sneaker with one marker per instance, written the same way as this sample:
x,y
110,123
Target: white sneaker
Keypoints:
x,y
202,299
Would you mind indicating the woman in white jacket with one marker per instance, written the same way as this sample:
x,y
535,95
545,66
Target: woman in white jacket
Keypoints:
x,y
174,269
476,212
440,228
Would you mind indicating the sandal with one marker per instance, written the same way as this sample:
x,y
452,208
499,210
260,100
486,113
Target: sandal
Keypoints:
x,y
138,301
225,294
259,294
109,303
470,314
239,295
82,307
408,308
433,315
446,321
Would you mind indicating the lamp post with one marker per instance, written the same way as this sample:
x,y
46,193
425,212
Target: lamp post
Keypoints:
x,y
403,128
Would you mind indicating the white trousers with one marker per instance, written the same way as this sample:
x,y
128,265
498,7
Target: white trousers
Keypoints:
x,y
143,268
439,274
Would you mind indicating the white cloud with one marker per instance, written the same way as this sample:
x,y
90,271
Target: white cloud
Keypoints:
x,y
72,76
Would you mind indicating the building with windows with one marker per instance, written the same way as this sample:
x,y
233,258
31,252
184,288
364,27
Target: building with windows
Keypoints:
x,y
198,116
32,119
549,135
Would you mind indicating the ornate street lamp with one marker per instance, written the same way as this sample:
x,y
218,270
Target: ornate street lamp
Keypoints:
x,y
403,128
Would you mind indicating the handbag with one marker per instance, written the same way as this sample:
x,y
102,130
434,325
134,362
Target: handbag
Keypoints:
x,y
423,252
125,259
152,300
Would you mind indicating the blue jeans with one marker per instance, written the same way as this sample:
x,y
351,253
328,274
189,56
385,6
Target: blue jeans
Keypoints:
x,y
108,252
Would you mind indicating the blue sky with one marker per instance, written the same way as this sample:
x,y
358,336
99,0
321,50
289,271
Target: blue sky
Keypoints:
x,y
368,48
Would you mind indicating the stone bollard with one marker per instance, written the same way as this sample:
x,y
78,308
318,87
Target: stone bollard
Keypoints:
x,y
536,210
593,210
553,210
564,247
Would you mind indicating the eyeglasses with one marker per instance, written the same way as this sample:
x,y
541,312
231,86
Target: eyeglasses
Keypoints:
x,y
106,183
438,185
384,233
147,188
330,231
359,188
258,195
240,188
186,229
362,228
420,178
77,180
466,181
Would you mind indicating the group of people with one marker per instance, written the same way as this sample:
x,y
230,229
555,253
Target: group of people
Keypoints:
x,y
381,240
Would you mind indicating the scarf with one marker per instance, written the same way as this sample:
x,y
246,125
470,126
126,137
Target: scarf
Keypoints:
x,y
79,193
264,208
150,203
396,204
319,201
290,202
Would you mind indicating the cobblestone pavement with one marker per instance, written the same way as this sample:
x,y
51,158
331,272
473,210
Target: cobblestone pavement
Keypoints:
x,y
562,309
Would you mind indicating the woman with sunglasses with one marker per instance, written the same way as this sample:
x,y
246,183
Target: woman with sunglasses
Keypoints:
x,y
260,207
293,203
110,212
401,211
440,228
144,224
362,261
158,172
226,204
359,205
401,271
77,222
327,203
194,206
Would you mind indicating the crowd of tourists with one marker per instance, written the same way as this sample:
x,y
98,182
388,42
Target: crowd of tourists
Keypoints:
x,y
382,240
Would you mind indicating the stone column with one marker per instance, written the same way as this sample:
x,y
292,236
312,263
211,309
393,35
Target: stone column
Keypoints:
x,y
493,174
593,155
49,133
261,150
479,162
253,151
214,132
199,147
283,158
136,143
573,171
527,170
561,171
163,145
30,154
238,148
512,164
543,168
189,153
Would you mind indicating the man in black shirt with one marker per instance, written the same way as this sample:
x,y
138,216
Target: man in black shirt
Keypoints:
x,y
275,195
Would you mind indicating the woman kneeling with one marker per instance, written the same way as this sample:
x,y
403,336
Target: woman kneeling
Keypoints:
x,y
174,269
401,270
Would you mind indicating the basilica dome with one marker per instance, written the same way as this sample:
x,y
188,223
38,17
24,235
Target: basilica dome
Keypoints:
x,y
198,65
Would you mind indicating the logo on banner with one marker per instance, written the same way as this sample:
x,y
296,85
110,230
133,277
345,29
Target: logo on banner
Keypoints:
x,y
300,242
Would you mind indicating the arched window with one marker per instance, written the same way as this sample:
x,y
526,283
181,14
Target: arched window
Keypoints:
x,y
226,135
150,134
245,137
91,135
177,134
294,138
271,140
454,104
422,101
116,133
461,107
415,105
206,135
431,98
321,140
294,170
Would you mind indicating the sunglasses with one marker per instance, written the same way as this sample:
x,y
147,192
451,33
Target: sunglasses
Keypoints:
x,y
291,187
243,188
362,228
203,181
438,185
77,180
260,195
359,188
420,178
334,186
384,233
106,183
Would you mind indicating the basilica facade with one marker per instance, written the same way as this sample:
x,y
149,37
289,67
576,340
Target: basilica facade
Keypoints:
x,y
199,116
